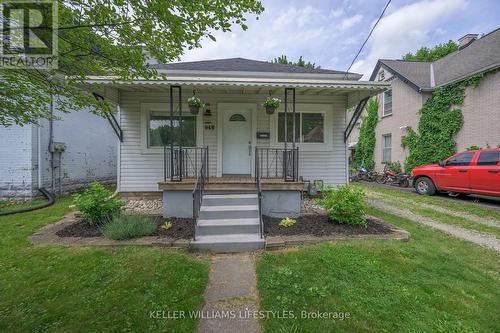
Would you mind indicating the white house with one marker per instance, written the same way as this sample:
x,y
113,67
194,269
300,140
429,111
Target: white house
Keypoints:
x,y
232,146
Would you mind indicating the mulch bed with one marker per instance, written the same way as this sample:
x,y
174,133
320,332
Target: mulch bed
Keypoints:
x,y
182,228
321,225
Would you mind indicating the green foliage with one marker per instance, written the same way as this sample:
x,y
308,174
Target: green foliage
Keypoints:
x,y
94,204
112,38
104,279
473,147
363,155
287,222
439,123
395,166
194,101
272,102
129,226
300,62
167,225
346,204
435,53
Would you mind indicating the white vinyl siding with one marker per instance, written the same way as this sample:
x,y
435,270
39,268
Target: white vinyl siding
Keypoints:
x,y
142,169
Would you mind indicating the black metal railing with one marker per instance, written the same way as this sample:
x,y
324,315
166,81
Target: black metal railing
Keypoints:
x,y
179,163
259,190
199,186
277,163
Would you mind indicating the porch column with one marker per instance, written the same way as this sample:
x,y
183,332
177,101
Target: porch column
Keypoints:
x,y
285,157
176,164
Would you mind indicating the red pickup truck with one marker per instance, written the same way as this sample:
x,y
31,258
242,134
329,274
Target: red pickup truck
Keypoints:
x,y
469,172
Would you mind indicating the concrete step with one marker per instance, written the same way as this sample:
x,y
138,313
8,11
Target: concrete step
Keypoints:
x,y
229,243
228,226
228,212
230,199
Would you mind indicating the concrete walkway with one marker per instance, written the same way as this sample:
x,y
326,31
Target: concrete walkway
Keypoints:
x,y
485,240
231,296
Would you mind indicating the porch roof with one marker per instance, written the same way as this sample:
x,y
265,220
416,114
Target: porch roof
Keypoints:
x,y
355,90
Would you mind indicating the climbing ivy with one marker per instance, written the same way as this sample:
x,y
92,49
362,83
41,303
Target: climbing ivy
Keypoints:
x,y
440,121
363,155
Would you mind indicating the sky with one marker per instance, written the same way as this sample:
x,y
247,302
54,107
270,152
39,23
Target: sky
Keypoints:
x,y
330,32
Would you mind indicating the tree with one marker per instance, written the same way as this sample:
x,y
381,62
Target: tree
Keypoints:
x,y
300,62
435,53
363,156
114,38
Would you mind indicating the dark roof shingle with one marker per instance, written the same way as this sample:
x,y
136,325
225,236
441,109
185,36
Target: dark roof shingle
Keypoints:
x,y
481,55
242,65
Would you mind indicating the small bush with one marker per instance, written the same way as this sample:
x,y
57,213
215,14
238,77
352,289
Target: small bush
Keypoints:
x,y
94,205
129,226
395,166
167,225
287,222
346,204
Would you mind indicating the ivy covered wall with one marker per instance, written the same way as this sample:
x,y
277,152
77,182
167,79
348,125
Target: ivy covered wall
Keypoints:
x,y
441,119
365,147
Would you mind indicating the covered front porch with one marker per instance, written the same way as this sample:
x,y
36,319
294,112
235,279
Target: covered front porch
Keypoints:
x,y
232,162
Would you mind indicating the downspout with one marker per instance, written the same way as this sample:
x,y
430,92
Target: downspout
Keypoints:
x,y
39,155
51,139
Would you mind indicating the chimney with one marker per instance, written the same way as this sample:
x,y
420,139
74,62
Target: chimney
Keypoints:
x,y
466,40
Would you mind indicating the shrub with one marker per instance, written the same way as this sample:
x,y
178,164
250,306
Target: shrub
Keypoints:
x,y
129,226
395,166
94,204
287,222
346,204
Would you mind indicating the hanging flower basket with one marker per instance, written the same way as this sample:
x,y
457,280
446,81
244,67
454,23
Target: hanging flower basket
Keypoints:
x,y
194,104
271,104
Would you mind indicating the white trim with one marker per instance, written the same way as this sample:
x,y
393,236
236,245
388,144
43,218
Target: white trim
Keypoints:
x,y
165,107
119,150
222,107
325,109
383,104
265,81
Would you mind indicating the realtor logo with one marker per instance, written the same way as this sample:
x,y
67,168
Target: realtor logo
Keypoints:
x,y
28,38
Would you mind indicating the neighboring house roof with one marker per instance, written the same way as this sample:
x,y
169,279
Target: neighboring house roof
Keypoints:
x,y
244,65
479,56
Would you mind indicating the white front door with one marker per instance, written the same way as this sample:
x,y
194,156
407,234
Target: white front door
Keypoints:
x,y
237,142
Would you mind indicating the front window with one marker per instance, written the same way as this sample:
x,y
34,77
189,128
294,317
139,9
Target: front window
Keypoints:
x,y
309,127
460,159
386,148
162,130
387,103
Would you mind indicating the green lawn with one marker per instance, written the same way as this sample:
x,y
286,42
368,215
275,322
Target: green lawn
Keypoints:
x,y
434,283
90,289
458,205
415,207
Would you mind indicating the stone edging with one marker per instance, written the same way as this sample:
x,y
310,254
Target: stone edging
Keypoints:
x,y
47,236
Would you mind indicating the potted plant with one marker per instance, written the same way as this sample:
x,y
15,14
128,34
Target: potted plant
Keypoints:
x,y
271,104
194,104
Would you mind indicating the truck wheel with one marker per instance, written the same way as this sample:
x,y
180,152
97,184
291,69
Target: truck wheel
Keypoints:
x,y
425,186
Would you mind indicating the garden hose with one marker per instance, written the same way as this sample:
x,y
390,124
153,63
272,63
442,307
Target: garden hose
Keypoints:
x,y
50,202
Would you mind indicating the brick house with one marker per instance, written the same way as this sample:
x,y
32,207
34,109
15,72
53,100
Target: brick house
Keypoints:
x,y
412,83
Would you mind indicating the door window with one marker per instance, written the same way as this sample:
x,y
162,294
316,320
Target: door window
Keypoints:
x,y
488,158
461,159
